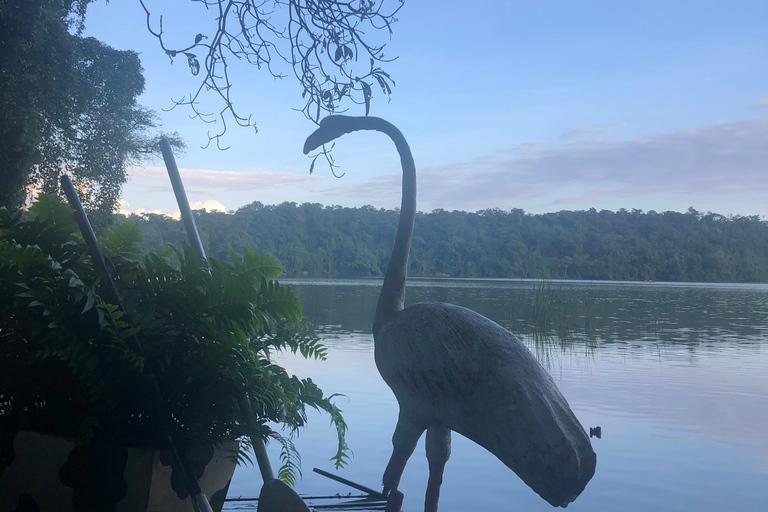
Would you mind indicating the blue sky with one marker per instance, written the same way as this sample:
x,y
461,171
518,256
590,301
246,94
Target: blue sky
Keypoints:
x,y
544,106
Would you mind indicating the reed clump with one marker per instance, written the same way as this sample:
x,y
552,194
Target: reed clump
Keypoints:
x,y
547,316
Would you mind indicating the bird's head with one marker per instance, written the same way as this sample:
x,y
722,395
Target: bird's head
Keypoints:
x,y
537,436
330,129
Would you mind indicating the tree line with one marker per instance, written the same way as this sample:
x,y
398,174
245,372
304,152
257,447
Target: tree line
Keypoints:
x,y
316,241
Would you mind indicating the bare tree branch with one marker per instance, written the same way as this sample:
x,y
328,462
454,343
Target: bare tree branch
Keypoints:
x,y
324,42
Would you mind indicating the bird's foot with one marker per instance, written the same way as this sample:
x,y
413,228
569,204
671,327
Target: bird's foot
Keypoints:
x,y
394,501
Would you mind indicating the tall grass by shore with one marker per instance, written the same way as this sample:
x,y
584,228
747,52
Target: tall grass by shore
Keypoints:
x,y
545,319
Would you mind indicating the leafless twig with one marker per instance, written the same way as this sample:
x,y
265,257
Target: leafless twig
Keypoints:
x,y
323,41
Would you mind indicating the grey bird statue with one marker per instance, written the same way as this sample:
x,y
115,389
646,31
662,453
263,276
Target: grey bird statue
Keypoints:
x,y
452,369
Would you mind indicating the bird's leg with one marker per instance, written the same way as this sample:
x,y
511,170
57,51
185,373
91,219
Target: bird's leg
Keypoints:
x,y
438,451
394,501
395,468
404,440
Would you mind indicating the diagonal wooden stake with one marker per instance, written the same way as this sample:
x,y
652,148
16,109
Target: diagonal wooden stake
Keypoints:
x,y
272,492
199,500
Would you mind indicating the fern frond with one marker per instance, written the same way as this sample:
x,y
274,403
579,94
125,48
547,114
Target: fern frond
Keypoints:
x,y
313,396
255,265
121,240
290,470
278,302
51,209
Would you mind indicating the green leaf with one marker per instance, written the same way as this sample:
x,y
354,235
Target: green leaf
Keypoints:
x,y
279,302
366,96
89,302
127,333
256,265
312,165
121,240
75,282
290,470
51,208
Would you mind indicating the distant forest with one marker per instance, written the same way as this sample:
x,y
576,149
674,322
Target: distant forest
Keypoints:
x,y
316,241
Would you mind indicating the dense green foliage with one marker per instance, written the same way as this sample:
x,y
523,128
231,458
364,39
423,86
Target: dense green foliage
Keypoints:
x,y
206,331
35,72
317,241
67,103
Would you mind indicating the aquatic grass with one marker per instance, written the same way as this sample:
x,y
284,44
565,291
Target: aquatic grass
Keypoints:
x,y
546,318
567,313
515,308
590,315
541,314
542,347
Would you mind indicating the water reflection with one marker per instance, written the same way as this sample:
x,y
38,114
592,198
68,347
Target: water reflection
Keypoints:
x,y
675,374
694,314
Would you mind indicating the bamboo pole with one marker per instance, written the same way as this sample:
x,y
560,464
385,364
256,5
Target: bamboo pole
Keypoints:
x,y
199,500
279,493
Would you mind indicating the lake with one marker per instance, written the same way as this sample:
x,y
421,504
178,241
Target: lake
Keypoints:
x,y
675,374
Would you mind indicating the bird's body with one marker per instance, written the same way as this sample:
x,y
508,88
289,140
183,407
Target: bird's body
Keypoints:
x,y
451,368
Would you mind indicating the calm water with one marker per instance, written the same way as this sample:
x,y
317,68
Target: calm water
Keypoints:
x,y
676,376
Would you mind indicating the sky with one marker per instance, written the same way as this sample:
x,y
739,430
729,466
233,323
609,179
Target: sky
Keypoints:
x,y
543,106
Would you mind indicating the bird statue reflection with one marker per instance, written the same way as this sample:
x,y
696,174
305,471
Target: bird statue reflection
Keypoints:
x,y
452,369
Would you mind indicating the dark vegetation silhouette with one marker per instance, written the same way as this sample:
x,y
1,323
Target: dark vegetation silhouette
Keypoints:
x,y
316,241
444,363
68,104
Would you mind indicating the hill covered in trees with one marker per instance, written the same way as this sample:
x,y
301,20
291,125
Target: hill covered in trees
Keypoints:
x,y
316,241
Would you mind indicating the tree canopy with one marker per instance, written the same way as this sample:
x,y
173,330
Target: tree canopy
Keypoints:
x,y
312,240
67,104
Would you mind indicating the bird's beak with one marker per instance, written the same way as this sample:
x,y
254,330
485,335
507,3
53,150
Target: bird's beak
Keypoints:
x,y
315,140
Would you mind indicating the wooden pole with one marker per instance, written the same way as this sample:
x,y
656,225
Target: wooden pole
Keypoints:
x,y
251,423
199,500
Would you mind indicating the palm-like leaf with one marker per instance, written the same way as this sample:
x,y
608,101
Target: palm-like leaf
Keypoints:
x,y
290,470
206,329
278,302
254,264
121,240
52,210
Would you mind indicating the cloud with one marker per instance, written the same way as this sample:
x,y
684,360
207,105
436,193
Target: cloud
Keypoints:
x,y
227,181
582,130
145,211
719,159
124,208
718,167
213,189
208,206
761,102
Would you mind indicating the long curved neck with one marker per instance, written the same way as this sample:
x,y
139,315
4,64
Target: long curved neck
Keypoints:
x,y
392,296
